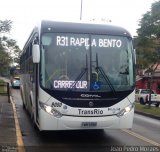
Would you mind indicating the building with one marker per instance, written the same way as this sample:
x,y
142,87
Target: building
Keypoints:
x,y
144,80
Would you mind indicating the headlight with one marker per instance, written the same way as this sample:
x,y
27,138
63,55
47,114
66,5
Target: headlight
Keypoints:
x,y
50,110
125,110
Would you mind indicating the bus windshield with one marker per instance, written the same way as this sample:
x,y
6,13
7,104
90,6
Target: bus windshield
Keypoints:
x,y
86,62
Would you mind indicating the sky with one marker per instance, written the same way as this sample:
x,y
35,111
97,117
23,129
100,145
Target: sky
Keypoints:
x,y
25,14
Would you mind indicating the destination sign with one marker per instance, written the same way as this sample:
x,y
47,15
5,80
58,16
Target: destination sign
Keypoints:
x,y
59,84
83,41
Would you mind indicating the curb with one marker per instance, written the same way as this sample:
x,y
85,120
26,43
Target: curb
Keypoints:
x,y
147,114
19,141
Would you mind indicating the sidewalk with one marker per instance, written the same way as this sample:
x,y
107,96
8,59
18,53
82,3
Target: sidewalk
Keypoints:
x,y
7,124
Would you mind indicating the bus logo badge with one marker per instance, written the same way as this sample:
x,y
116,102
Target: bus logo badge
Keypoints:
x,y
91,104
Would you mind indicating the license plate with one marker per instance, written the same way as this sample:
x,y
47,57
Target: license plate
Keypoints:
x,y
88,124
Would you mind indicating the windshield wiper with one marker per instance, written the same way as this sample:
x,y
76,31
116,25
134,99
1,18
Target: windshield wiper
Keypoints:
x,y
84,70
105,76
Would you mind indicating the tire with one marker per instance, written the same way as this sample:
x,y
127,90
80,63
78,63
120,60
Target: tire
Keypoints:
x,y
141,101
33,122
157,104
24,107
147,101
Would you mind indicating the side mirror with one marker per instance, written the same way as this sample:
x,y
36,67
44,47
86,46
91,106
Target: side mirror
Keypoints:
x,y
36,53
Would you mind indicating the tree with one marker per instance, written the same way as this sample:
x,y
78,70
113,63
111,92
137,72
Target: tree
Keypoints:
x,y
148,39
5,59
8,46
5,26
13,49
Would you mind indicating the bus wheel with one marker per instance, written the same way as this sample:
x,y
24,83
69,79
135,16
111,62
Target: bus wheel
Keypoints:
x,y
142,101
33,121
157,104
24,107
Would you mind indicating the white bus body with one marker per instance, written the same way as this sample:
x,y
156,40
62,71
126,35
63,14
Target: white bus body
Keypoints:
x,y
78,76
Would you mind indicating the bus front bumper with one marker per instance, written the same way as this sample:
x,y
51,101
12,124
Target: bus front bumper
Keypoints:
x,y
49,122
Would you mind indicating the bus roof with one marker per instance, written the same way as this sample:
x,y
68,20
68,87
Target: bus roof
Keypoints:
x,y
88,28
81,28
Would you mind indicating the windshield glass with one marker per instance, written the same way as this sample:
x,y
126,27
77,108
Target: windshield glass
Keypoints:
x,y
84,62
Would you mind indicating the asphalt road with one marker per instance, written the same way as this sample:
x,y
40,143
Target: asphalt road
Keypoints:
x,y
145,132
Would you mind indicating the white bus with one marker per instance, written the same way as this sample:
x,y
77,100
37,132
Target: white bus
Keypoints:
x,y
78,76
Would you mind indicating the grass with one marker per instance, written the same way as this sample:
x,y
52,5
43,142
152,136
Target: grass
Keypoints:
x,y
1,81
148,109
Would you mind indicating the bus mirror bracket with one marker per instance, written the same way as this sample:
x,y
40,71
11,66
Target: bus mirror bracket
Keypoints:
x,y
36,53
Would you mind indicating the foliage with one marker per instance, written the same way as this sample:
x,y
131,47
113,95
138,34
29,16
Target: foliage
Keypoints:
x,y
9,50
11,47
5,26
148,39
148,109
5,60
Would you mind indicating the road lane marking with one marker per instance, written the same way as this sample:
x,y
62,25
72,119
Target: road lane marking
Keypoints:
x,y
20,143
141,137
